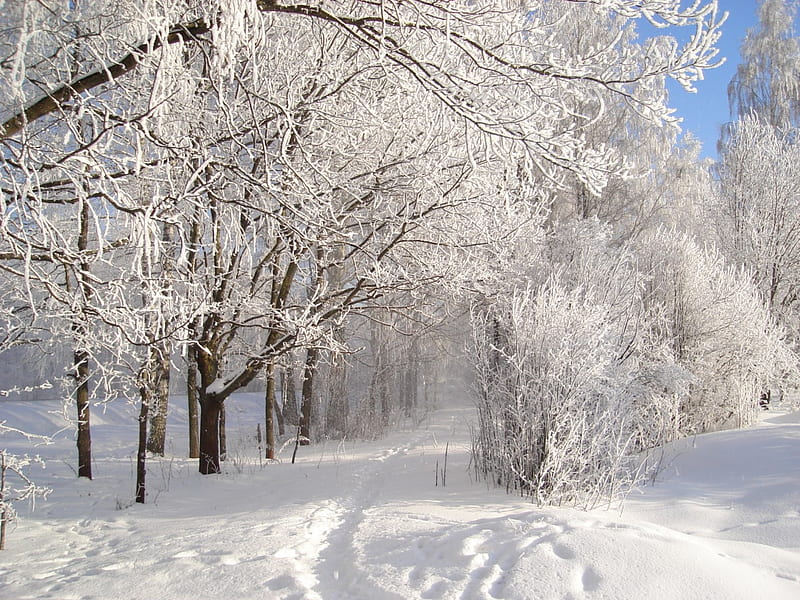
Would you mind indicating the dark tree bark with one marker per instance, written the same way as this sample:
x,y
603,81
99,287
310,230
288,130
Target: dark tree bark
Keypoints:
x,y
84,441
191,393
210,409
269,412
308,396
212,406
3,512
80,355
223,434
141,454
289,395
191,351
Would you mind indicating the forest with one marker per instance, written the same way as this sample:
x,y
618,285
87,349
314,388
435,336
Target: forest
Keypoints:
x,y
337,203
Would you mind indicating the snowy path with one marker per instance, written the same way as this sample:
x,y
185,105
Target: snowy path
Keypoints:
x,y
366,521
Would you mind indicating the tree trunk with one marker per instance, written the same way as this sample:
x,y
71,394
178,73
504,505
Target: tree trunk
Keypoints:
x,y
411,379
406,388
289,396
338,405
141,454
583,202
384,384
80,355
191,350
210,410
308,396
377,384
84,441
223,434
191,394
3,511
337,415
269,412
160,395
281,422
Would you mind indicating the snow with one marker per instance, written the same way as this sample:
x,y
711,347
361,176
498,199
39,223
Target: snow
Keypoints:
x,y
366,520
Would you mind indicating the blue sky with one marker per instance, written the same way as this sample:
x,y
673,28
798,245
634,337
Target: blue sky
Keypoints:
x,y
704,112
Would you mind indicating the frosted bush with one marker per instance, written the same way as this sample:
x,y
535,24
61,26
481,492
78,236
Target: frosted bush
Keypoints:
x,y
618,351
553,422
719,329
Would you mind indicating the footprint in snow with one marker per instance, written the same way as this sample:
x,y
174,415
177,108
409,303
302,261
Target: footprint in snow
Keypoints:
x,y
281,582
590,580
474,543
563,552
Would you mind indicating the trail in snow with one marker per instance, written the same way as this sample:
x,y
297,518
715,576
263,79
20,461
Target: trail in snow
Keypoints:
x,y
366,520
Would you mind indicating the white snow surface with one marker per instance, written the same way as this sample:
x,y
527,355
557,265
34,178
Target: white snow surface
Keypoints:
x,y
365,520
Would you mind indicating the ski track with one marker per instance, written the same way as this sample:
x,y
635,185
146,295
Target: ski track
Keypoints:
x,y
327,557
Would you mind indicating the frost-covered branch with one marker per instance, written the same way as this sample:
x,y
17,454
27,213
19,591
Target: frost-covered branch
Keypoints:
x,y
16,487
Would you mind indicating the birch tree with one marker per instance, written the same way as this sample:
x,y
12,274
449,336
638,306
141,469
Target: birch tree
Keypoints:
x,y
719,330
759,211
757,206
766,82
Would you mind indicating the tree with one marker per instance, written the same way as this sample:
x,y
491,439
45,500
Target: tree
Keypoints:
x,y
718,328
297,141
566,371
759,211
14,467
758,179
162,367
635,194
767,81
15,482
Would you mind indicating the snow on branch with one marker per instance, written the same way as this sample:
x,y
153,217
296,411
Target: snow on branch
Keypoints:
x,y
15,487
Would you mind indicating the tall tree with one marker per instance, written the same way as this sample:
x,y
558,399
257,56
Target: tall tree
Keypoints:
x,y
758,211
767,81
301,139
758,205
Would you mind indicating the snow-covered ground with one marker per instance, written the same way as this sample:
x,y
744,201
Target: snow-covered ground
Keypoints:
x,y
366,520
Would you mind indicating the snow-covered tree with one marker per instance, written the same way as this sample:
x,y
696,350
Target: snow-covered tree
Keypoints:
x,y
15,486
757,204
636,194
285,142
569,378
718,329
767,81
758,210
